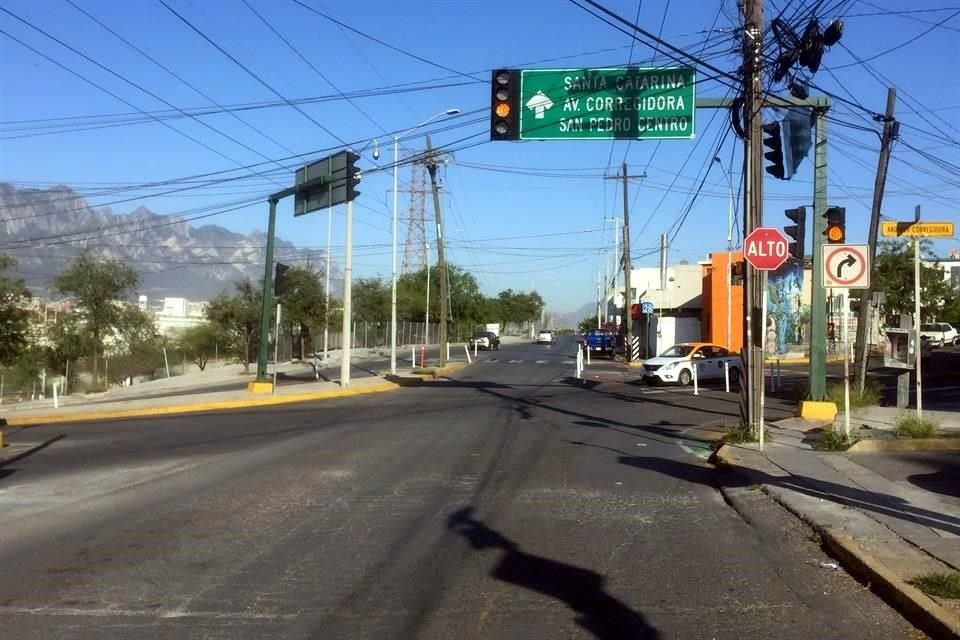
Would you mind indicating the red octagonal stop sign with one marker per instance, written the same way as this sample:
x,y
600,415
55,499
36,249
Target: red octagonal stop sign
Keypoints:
x,y
766,248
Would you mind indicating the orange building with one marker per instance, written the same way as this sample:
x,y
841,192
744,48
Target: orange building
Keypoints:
x,y
715,318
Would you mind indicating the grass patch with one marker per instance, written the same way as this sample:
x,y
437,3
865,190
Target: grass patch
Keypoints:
x,y
869,397
836,441
942,585
910,427
739,434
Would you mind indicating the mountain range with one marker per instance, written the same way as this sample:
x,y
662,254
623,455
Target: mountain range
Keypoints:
x,y
43,229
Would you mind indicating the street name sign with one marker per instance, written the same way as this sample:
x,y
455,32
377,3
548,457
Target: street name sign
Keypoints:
x,y
766,248
629,103
893,229
846,266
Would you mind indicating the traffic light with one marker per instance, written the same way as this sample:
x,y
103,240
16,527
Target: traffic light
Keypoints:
x,y
504,105
836,230
797,231
280,278
773,140
353,176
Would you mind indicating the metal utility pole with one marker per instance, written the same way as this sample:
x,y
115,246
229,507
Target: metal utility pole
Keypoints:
x,y
818,297
753,205
627,268
267,297
890,128
441,262
917,319
346,347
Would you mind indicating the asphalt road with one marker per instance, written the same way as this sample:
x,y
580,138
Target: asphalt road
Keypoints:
x,y
511,501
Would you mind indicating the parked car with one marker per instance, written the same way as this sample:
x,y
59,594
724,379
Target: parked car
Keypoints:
x,y
599,340
675,365
545,337
485,340
939,334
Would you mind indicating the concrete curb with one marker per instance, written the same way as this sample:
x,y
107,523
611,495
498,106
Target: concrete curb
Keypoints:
x,y
260,401
913,604
904,444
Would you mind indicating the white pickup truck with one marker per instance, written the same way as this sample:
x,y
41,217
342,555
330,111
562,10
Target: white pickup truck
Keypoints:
x,y
675,365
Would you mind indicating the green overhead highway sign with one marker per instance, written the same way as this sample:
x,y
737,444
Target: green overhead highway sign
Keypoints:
x,y
630,103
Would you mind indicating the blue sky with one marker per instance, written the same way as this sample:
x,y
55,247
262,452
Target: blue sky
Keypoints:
x,y
521,215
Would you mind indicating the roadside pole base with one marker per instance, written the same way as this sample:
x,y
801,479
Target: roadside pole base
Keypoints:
x,y
260,387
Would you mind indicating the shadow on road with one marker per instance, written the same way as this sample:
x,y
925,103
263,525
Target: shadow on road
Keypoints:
x,y
580,589
890,506
945,480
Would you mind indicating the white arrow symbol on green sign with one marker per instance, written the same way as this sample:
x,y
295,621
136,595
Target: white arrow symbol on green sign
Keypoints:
x,y
539,103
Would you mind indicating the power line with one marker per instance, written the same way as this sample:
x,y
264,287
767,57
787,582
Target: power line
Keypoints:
x,y
253,75
114,95
902,44
178,77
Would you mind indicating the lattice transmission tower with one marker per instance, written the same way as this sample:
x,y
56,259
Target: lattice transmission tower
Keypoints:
x,y
415,249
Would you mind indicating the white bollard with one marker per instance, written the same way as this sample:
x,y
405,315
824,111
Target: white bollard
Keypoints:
x,y
448,351
413,355
474,348
726,375
587,349
466,350
696,386
56,397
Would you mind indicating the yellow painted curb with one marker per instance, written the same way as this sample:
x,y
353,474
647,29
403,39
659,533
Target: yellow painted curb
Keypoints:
x,y
260,387
634,363
811,410
29,421
1,439
915,605
905,444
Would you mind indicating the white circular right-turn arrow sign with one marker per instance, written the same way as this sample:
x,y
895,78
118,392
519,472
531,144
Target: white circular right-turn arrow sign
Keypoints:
x,y
846,266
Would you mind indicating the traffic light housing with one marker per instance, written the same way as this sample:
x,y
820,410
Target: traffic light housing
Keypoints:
x,y
836,230
774,142
797,231
504,105
352,176
280,278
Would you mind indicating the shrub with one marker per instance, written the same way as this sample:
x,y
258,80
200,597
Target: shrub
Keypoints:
x,y
911,427
943,585
869,397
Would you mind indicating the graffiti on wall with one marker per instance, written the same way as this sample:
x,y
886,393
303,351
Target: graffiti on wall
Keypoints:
x,y
787,316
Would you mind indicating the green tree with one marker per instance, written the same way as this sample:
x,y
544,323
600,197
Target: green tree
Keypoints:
x,y
238,319
14,319
894,275
304,303
198,343
135,348
371,300
97,284
590,322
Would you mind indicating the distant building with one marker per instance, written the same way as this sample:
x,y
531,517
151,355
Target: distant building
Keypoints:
x,y
175,314
950,267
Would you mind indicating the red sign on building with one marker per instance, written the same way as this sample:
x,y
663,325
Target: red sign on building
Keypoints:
x,y
766,248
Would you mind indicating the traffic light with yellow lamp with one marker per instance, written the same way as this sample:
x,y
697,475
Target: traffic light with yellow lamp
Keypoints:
x,y
504,105
836,230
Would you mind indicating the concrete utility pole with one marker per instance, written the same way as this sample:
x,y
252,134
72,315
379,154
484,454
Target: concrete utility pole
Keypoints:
x,y
627,268
866,299
818,297
441,262
753,206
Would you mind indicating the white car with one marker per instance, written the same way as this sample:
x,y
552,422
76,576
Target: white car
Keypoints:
x,y
545,337
675,365
939,334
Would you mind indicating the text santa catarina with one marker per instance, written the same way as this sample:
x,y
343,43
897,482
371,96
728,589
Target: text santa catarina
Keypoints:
x,y
630,103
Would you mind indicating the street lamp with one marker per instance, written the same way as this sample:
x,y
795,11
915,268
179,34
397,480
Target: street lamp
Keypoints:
x,y
393,285
729,247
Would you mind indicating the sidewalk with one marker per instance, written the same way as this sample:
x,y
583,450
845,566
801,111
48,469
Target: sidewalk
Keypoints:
x,y
215,389
883,532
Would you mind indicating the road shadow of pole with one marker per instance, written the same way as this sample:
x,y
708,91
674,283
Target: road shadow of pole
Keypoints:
x,y
580,589
889,506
